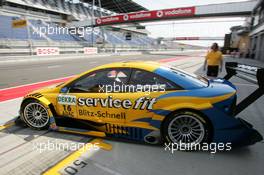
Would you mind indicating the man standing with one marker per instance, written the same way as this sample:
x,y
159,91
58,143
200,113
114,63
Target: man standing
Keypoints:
x,y
213,61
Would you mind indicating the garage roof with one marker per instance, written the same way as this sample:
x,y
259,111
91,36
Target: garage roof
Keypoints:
x,y
119,6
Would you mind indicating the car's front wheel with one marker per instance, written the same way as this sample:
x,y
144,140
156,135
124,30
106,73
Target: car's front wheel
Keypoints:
x,y
186,129
35,115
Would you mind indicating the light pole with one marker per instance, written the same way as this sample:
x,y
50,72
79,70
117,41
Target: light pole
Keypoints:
x,y
93,5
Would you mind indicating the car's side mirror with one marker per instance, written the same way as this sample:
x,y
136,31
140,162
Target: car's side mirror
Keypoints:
x,y
64,90
69,89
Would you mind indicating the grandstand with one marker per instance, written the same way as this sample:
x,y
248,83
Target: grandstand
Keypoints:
x,y
55,22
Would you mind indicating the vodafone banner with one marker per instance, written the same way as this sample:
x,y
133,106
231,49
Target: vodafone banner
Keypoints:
x,y
147,15
90,50
41,51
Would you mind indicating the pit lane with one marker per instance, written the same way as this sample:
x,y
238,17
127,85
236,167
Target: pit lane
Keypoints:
x,y
18,156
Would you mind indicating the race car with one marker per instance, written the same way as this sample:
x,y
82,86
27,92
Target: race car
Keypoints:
x,y
148,102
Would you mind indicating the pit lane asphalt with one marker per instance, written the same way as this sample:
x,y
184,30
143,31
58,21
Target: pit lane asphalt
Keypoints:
x,y
19,73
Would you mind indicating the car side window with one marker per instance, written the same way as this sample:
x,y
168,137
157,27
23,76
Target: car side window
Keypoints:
x,y
98,81
145,78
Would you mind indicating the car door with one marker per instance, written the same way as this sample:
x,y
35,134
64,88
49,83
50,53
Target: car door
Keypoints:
x,y
149,86
66,105
98,95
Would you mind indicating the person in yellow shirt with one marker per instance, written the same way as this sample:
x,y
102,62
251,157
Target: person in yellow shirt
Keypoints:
x,y
213,61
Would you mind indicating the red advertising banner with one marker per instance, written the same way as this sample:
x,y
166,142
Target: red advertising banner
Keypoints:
x,y
42,51
90,50
147,15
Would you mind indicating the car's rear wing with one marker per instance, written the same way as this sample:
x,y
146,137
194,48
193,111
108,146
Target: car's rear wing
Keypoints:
x,y
251,74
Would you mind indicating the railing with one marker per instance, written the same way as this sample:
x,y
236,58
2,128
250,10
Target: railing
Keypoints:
x,y
23,47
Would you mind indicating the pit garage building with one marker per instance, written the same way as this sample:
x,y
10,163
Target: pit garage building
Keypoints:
x,y
257,32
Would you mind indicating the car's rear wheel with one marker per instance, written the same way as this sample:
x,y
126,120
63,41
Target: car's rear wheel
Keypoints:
x,y
186,128
35,115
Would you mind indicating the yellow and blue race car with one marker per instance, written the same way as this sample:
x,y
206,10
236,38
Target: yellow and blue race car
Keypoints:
x,y
148,102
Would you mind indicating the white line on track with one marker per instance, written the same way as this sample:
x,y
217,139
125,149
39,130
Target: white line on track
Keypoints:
x,y
53,66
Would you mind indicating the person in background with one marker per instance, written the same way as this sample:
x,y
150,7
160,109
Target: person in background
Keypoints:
x,y
213,61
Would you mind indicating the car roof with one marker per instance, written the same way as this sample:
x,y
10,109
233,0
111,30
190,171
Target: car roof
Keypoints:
x,y
146,65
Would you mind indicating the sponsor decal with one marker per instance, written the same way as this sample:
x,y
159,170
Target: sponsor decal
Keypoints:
x,y
147,15
66,99
20,23
178,12
67,111
102,114
90,50
42,51
247,67
142,15
141,103
111,19
117,129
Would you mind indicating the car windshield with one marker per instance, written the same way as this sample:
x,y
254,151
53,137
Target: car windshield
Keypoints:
x,y
197,79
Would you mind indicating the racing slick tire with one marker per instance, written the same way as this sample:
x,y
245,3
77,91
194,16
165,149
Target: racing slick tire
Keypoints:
x,y
186,129
35,114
